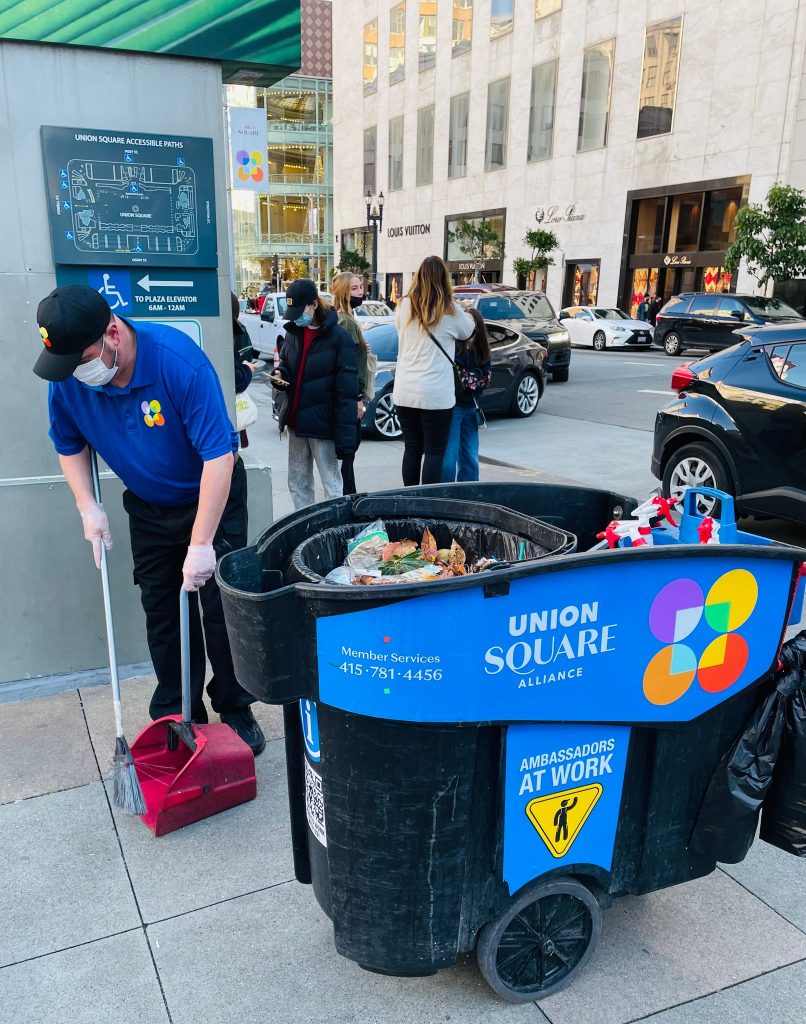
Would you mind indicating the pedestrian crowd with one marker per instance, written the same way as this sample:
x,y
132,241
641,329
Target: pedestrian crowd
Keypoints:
x,y
146,398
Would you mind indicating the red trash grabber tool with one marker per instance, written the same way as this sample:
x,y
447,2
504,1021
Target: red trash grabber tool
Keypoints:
x,y
188,772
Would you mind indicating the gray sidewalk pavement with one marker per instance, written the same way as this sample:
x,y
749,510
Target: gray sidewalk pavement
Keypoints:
x,y
103,924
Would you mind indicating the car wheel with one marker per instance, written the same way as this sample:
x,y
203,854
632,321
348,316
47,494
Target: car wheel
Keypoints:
x,y
526,397
387,425
560,376
600,341
672,344
696,465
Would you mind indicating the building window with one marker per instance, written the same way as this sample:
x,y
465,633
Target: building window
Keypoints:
x,y
541,110
721,207
462,30
495,145
543,8
427,37
661,48
296,164
370,147
594,105
395,153
684,229
581,284
649,225
464,265
397,43
501,17
425,146
370,56
457,136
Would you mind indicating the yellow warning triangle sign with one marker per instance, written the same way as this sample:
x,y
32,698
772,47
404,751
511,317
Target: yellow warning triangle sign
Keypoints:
x,y
559,817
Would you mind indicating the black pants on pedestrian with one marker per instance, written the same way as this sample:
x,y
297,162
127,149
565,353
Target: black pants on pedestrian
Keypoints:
x,y
348,465
160,535
425,437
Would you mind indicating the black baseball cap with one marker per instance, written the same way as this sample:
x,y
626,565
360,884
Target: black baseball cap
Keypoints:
x,y
300,294
70,319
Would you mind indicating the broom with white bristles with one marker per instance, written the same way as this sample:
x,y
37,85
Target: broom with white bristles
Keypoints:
x,y
126,792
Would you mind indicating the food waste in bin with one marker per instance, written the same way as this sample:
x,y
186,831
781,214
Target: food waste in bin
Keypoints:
x,y
373,559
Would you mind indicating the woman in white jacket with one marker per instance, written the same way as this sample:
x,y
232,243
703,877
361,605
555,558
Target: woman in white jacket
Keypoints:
x,y
428,327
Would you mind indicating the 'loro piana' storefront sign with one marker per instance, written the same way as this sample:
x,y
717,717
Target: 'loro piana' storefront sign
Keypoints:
x,y
557,214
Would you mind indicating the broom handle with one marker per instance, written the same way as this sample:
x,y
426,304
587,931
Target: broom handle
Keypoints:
x,y
184,636
110,632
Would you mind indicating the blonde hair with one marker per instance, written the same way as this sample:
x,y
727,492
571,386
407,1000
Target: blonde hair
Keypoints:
x,y
340,290
431,294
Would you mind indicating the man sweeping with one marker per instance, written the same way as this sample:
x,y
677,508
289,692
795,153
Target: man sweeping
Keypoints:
x,y
147,399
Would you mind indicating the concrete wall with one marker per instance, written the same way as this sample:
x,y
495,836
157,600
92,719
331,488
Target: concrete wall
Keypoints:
x,y
51,615
738,84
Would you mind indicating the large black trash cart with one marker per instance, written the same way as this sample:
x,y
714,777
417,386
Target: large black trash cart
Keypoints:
x,y
487,762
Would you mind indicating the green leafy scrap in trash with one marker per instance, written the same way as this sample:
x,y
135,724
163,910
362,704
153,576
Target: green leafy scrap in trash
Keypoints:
x,y
402,563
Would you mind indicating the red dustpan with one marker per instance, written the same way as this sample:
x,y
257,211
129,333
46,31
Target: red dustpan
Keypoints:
x,y
188,772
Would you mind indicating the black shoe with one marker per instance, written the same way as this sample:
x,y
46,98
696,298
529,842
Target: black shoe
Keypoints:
x,y
243,723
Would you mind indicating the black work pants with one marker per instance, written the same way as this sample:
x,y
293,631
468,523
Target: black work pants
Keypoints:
x,y
160,535
348,465
425,439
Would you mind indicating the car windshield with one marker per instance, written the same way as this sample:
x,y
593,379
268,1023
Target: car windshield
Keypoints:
x,y
610,314
516,306
772,309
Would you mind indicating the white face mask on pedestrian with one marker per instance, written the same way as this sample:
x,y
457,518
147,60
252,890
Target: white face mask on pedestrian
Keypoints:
x,y
96,373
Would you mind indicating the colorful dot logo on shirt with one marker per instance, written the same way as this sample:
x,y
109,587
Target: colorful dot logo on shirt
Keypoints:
x,y
45,339
152,413
249,165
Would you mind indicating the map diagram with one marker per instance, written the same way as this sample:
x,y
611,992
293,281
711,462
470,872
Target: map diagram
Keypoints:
x,y
127,207
119,198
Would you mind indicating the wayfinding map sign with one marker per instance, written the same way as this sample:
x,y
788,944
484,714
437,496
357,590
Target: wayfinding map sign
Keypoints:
x,y
135,199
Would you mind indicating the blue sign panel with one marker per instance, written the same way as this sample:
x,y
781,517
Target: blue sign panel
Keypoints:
x,y
121,198
167,294
659,640
310,729
561,798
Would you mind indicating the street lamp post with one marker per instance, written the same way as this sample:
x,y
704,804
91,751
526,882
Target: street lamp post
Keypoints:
x,y
374,221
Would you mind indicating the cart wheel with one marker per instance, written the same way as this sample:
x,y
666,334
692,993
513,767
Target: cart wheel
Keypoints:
x,y
541,941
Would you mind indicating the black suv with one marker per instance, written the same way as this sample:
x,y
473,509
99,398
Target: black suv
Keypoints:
x,y
739,424
708,319
525,312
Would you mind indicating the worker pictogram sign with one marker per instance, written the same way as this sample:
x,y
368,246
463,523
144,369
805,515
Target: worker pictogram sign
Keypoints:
x,y
559,817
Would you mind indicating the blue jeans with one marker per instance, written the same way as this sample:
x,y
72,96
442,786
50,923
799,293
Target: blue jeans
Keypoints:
x,y
462,452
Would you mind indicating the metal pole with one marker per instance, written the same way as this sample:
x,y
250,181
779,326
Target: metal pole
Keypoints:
x,y
374,258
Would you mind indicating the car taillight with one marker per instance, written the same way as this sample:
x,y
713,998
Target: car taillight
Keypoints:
x,y
682,377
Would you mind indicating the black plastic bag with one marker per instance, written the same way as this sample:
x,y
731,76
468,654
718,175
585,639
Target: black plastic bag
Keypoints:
x,y
783,817
728,817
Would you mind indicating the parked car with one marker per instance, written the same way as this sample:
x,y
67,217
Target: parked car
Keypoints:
x,y
518,380
709,319
739,424
373,312
525,312
603,327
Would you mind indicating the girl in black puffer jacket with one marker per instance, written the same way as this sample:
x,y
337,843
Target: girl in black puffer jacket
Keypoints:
x,y
317,372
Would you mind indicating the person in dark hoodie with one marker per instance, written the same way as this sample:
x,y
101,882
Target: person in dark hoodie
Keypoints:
x,y
318,375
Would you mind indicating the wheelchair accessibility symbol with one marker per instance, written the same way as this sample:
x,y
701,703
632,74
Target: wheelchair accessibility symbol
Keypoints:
x,y
115,288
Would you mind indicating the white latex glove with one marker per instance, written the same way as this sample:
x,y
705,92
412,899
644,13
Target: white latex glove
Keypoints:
x,y
96,529
199,566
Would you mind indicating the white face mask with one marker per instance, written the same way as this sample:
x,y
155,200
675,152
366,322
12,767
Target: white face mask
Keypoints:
x,y
96,373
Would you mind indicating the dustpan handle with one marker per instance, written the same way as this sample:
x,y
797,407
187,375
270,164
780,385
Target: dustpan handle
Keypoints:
x,y
184,641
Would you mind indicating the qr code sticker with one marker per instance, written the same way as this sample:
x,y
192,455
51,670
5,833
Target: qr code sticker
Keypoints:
x,y
314,804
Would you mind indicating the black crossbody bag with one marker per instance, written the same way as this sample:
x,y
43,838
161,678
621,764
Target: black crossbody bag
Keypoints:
x,y
481,419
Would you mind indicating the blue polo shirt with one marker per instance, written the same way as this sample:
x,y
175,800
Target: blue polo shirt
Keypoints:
x,y
158,431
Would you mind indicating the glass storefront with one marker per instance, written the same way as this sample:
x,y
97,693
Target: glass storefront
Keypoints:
x,y
581,283
464,258
677,239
